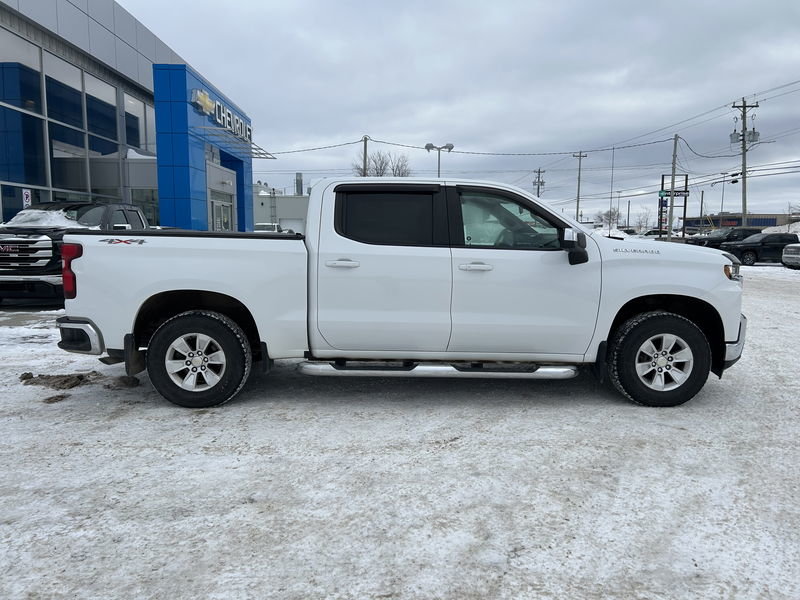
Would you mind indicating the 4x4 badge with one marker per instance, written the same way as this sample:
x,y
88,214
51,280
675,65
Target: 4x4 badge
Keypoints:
x,y
121,241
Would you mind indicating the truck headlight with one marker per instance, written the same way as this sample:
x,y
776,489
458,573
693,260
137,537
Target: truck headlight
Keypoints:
x,y
732,270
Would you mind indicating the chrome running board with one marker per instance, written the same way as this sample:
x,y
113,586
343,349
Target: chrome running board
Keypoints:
x,y
488,371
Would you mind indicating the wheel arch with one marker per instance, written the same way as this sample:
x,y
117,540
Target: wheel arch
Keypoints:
x,y
699,312
163,306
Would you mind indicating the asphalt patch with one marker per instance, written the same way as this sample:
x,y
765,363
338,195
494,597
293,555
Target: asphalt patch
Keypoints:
x,y
56,398
60,382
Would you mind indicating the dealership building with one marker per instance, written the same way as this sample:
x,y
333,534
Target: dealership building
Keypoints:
x,y
95,107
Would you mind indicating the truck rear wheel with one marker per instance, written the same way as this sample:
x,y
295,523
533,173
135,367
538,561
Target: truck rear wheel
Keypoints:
x,y
659,359
199,359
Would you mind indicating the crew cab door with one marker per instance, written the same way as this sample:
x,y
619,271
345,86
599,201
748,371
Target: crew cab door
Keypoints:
x,y
383,269
514,290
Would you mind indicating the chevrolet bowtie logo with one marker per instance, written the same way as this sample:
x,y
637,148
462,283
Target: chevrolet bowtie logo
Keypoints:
x,y
203,101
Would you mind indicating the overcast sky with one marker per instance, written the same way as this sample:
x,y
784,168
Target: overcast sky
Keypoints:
x,y
510,77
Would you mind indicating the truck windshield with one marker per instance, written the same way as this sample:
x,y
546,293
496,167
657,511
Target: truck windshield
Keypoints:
x,y
719,233
754,239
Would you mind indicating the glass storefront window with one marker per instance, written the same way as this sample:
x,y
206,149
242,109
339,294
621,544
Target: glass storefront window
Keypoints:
x,y
67,158
60,196
20,84
101,107
12,199
134,121
150,126
63,87
22,154
104,167
147,200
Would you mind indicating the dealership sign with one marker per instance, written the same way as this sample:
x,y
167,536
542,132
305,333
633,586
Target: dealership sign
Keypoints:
x,y
223,115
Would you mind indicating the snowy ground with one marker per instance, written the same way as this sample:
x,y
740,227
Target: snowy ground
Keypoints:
x,y
346,488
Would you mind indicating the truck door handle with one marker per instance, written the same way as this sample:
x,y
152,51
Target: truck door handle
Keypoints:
x,y
343,263
476,266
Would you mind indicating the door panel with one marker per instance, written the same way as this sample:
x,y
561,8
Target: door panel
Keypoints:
x,y
376,296
527,301
513,287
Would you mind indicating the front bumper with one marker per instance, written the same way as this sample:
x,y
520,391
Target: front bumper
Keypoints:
x,y
791,260
733,350
31,286
79,335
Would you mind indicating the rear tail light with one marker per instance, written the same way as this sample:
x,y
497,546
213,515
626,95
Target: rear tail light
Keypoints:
x,y
69,252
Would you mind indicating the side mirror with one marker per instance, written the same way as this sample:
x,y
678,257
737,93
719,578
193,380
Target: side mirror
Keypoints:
x,y
574,242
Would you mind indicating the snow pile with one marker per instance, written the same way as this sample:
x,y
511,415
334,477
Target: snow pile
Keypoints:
x,y
613,233
32,217
791,228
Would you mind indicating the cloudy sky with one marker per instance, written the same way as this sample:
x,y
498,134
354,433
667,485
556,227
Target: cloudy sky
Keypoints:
x,y
539,79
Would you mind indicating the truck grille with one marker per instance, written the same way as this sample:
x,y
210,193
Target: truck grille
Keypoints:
x,y
33,251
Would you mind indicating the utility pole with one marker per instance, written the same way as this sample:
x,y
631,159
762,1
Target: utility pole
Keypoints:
x,y
611,195
539,183
366,137
702,193
746,136
580,156
672,186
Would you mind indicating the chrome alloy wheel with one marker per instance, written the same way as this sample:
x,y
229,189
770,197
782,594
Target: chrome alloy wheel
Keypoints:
x,y
195,362
664,362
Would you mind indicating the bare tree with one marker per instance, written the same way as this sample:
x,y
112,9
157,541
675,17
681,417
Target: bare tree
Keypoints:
x,y
381,164
643,218
398,163
608,217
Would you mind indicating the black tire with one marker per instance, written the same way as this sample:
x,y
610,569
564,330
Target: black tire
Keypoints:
x,y
215,354
795,267
749,258
678,372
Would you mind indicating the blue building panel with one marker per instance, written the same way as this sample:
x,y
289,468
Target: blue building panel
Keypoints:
x,y
191,114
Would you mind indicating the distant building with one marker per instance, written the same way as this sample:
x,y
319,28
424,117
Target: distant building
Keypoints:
x,y
273,206
735,220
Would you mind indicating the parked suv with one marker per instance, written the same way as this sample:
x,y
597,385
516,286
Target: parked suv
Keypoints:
x,y
30,243
716,238
760,247
791,256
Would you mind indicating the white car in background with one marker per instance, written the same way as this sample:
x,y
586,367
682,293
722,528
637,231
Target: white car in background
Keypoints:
x,y
791,256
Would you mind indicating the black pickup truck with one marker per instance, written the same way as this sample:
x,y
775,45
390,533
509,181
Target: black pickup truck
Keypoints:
x,y
30,243
762,247
716,238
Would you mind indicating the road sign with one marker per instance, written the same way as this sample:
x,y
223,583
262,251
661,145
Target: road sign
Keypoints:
x,y
26,198
666,193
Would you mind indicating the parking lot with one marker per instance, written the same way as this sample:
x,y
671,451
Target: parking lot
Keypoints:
x,y
388,488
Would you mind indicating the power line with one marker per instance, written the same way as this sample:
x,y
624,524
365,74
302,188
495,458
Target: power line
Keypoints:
x,y
318,148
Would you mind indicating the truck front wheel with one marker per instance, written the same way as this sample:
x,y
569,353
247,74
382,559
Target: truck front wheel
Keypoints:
x,y
659,359
199,359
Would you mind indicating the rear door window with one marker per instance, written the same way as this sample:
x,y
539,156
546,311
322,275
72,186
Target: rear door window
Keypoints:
x,y
391,218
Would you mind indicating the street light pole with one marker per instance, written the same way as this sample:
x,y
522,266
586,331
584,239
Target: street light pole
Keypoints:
x,y
448,147
722,200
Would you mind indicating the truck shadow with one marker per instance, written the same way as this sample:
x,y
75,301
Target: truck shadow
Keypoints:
x,y
285,384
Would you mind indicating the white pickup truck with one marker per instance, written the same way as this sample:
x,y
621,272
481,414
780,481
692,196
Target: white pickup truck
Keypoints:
x,y
405,278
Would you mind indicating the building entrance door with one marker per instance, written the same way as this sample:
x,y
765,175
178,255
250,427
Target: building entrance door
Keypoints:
x,y
221,211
